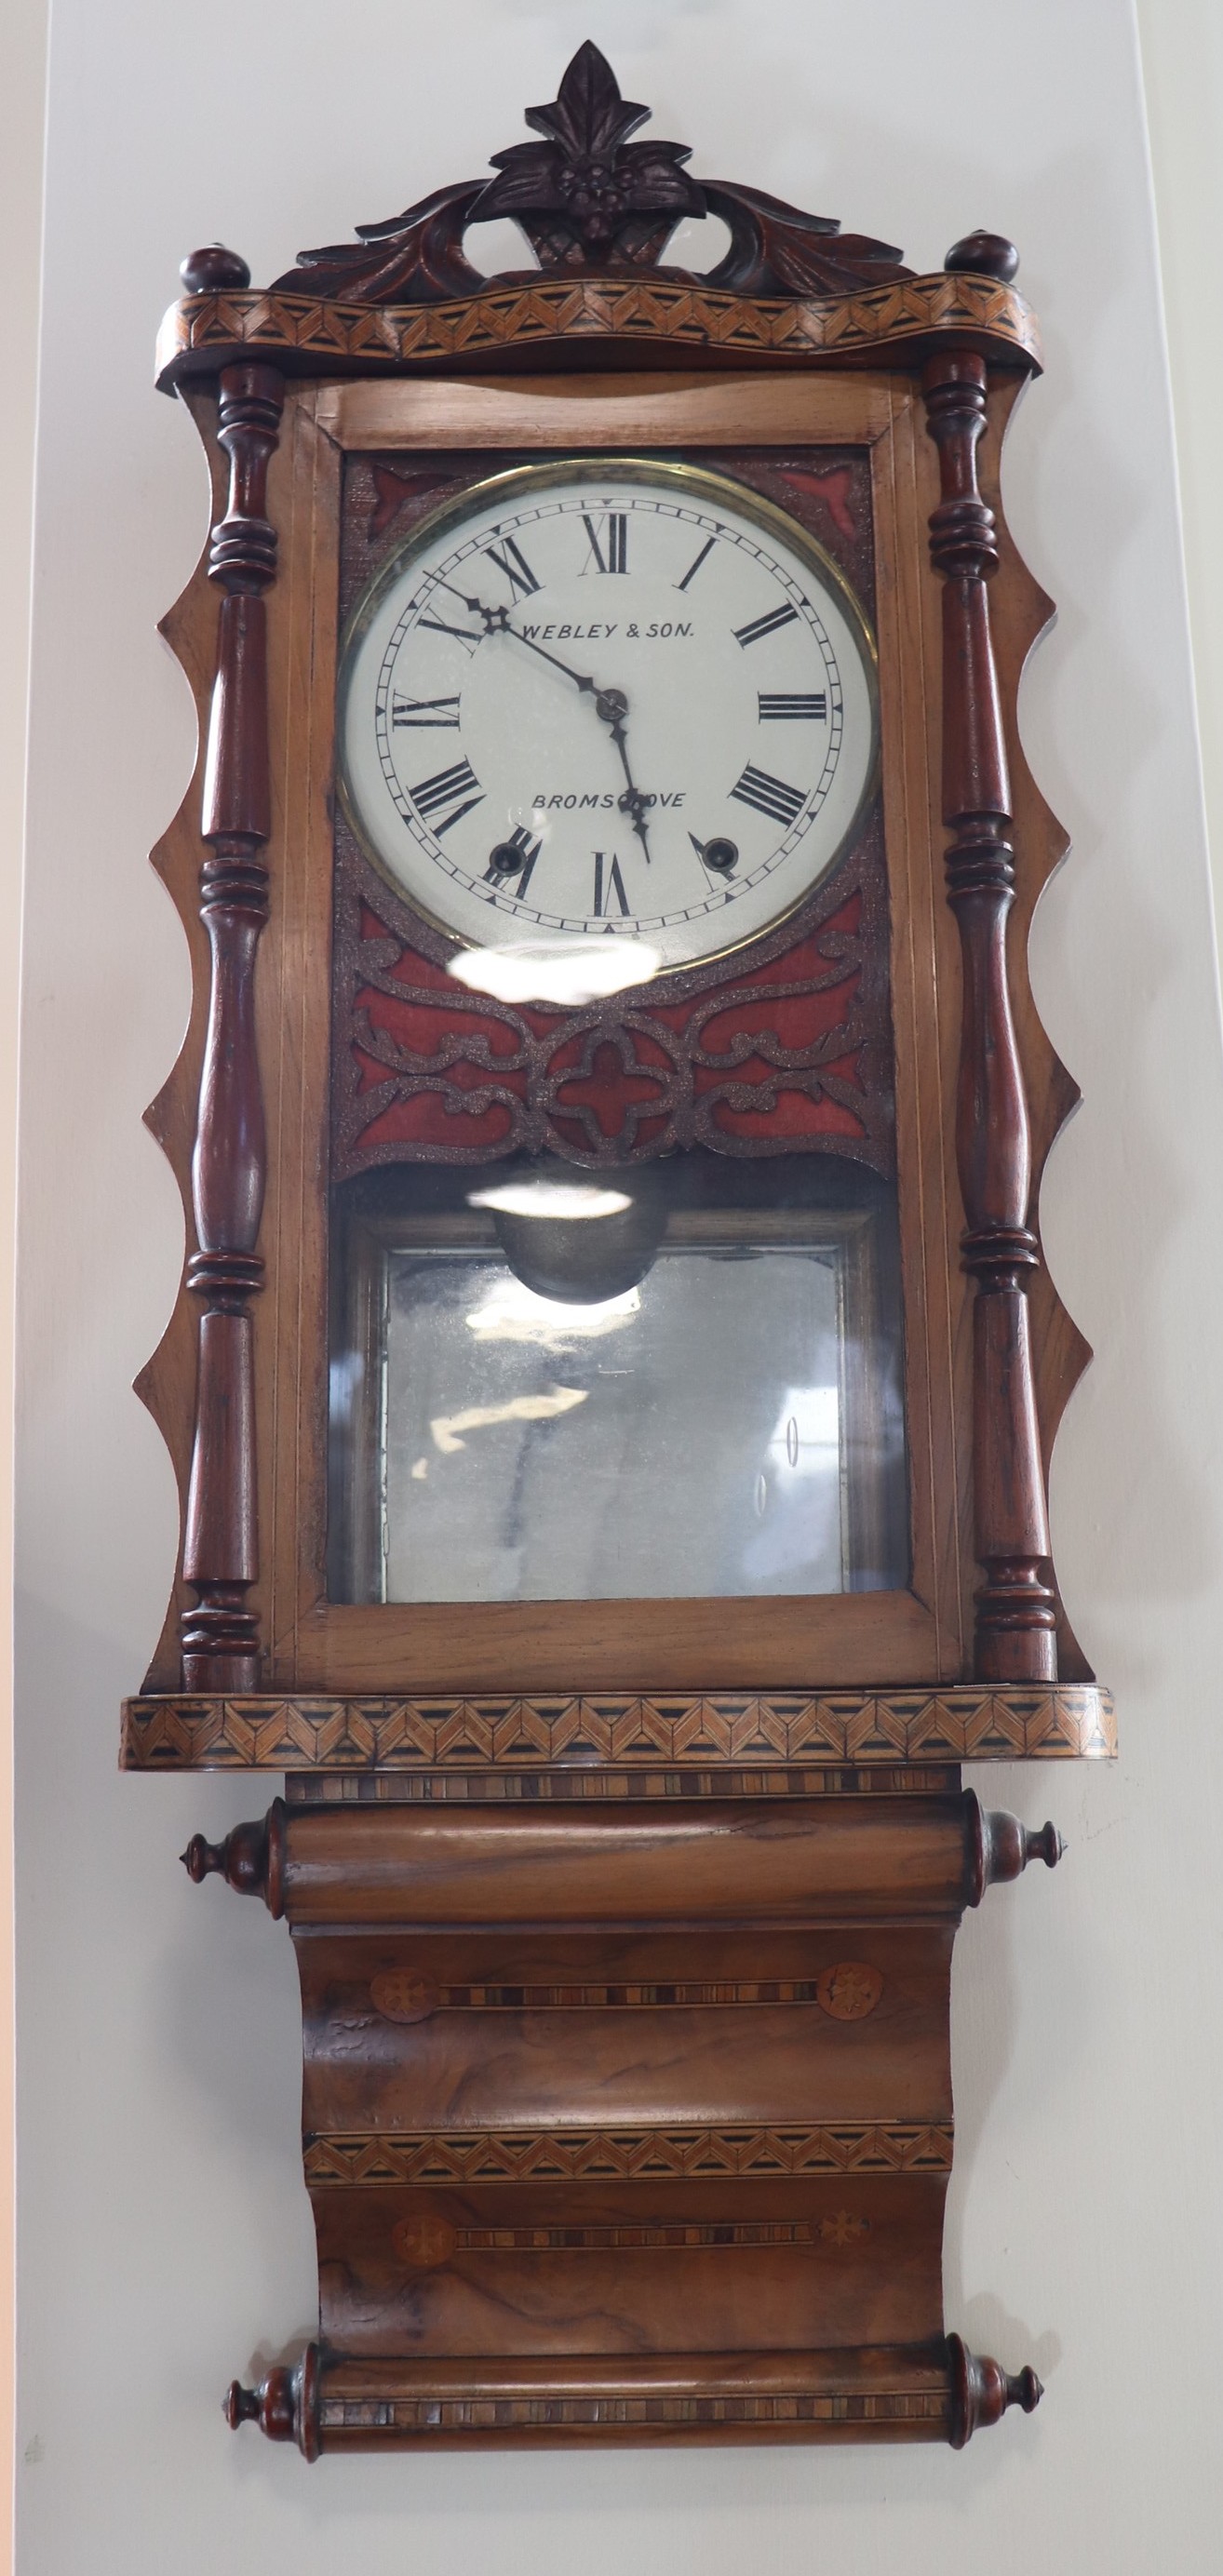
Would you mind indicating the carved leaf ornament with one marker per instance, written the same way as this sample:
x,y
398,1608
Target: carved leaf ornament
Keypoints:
x,y
586,192
591,202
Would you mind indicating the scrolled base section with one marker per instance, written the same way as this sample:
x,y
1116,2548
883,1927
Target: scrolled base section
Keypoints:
x,y
937,2392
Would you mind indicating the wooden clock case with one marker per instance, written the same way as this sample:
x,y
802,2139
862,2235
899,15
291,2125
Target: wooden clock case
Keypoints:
x,y
624,1928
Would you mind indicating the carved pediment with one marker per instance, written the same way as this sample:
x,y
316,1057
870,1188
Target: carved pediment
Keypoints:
x,y
592,202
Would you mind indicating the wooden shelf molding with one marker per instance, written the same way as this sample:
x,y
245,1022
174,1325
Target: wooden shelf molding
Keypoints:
x,y
503,1738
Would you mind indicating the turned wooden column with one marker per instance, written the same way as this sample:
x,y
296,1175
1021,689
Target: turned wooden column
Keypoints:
x,y
1016,1607
220,1635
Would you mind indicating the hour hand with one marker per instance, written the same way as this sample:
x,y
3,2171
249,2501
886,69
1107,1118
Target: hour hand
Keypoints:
x,y
612,705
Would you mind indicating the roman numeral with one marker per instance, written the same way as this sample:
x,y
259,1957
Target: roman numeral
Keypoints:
x,y
765,625
448,787
610,551
613,884
513,858
424,711
707,548
770,796
436,627
511,560
792,702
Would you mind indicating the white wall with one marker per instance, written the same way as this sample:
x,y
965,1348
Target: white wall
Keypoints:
x,y
166,2236
22,93
1182,62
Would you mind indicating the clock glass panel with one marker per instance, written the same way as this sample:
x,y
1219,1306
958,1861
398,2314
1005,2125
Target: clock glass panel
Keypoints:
x,y
603,728
683,1382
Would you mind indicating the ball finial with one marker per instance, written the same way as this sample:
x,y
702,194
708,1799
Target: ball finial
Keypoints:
x,y
983,255
214,270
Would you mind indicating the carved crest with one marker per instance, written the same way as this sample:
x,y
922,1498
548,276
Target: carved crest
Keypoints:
x,y
591,202
586,195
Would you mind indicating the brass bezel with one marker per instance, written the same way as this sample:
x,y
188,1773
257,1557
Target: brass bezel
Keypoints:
x,y
623,468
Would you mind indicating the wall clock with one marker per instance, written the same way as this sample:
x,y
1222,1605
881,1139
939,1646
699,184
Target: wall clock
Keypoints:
x,y
615,1372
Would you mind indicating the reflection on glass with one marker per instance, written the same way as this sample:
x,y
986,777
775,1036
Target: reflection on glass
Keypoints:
x,y
564,973
725,1422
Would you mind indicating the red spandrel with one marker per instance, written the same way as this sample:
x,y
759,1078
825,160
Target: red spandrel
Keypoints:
x,y
769,1060
423,1125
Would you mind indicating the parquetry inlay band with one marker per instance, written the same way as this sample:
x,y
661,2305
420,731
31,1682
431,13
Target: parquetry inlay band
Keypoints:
x,y
846,1992
517,2155
967,1723
424,2244
380,338
582,1787
488,2414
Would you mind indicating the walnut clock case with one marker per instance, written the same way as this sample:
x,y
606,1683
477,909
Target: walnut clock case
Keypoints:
x,y
615,1371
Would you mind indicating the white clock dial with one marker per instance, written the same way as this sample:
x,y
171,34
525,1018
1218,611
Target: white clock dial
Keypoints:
x,y
614,698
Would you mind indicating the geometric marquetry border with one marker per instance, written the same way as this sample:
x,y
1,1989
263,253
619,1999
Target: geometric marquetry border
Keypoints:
x,y
339,2161
488,1735
312,336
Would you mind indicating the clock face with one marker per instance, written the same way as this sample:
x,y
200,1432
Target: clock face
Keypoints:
x,y
607,698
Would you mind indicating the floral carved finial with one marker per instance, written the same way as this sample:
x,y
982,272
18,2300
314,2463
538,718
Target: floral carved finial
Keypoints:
x,y
589,202
586,191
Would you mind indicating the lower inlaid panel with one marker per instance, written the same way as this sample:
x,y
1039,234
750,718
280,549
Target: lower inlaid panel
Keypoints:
x,y
579,2266
521,2035
542,2169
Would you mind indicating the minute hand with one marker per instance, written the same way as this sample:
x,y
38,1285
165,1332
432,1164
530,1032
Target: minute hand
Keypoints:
x,y
497,622
610,704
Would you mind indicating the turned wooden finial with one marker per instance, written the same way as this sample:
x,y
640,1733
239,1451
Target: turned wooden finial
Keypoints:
x,y
1000,1847
1043,1842
981,2391
201,1858
284,2406
251,1858
983,255
213,269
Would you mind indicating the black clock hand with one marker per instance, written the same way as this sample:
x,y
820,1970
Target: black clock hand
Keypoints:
x,y
579,678
610,704
613,707
497,622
